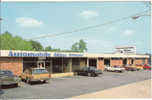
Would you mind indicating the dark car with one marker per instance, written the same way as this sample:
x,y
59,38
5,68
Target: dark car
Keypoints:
x,y
88,71
129,68
8,78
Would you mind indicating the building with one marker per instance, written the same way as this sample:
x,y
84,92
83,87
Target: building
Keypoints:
x,y
61,62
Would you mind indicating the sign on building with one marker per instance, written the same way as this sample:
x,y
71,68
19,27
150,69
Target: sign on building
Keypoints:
x,y
126,49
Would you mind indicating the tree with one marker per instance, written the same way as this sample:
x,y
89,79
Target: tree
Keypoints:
x,y
48,48
8,42
75,47
82,46
79,46
36,45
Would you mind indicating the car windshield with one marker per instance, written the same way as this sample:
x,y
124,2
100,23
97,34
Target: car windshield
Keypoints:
x,y
39,71
6,73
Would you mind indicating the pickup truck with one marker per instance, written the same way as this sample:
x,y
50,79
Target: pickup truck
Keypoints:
x,y
114,69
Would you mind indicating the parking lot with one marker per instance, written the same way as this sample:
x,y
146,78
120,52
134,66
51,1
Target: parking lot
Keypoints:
x,y
67,87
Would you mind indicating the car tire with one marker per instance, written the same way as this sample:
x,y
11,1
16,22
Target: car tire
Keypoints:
x,y
44,81
15,85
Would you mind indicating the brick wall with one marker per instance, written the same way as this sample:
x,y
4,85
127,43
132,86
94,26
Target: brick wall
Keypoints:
x,y
146,61
100,64
116,62
13,64
138,61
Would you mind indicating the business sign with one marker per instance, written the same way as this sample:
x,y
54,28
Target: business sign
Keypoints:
x,y
27,54
42,54
127,49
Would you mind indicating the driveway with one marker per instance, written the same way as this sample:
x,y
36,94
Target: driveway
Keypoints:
x,y
67,87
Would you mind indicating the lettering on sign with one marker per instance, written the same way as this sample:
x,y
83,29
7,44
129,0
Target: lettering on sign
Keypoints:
x,y
25,54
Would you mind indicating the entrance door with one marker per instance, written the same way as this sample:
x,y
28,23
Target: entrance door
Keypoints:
x,y
124,61
107,61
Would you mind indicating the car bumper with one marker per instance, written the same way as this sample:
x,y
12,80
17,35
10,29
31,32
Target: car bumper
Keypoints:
x,y
41,79
9,82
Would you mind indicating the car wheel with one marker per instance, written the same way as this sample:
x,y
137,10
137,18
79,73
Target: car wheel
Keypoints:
x,y
15,85
44,81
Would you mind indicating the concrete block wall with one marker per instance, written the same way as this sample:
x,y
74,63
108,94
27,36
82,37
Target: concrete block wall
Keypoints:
x,y
13,64
100,64
116,62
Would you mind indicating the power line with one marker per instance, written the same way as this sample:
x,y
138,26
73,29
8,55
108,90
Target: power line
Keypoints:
x,y
89,27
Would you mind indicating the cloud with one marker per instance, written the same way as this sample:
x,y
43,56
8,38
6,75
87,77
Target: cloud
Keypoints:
x,y
128,32
89,14
28,22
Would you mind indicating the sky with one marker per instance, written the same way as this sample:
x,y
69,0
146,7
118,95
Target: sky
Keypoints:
x,y
34,19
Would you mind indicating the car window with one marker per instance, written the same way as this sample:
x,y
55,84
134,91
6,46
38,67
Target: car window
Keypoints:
x,y
1,73
39,71
6,73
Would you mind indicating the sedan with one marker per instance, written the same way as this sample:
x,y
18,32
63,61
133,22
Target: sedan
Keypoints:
x,y
114,69
147,67
129,68
88,71
8,78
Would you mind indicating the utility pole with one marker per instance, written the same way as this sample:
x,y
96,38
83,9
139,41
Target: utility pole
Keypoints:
x,y
138,16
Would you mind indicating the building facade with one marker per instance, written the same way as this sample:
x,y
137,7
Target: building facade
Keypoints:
x,y
61,62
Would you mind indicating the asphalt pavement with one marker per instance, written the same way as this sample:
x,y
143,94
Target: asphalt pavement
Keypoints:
x,y
60,88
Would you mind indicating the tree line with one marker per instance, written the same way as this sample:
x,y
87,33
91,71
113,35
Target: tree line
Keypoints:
x,y
9,42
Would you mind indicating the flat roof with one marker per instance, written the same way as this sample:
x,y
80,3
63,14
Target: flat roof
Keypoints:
x,y
20,53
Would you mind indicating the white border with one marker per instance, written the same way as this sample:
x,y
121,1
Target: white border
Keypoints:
x,y
66,0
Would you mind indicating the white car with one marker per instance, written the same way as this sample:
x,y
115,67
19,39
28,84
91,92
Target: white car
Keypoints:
x,y
114,69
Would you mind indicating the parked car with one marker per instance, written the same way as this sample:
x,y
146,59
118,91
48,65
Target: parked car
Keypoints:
x,y
147,67
139,66
129,68
35,74
8,78
114,69
134,66
88,71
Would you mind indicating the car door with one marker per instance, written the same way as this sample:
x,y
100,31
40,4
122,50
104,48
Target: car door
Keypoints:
x,y
85,71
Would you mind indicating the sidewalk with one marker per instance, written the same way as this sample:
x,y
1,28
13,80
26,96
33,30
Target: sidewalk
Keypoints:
x,y
134,90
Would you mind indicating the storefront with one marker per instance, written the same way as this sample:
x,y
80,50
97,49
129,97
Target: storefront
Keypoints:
x,y
60,62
